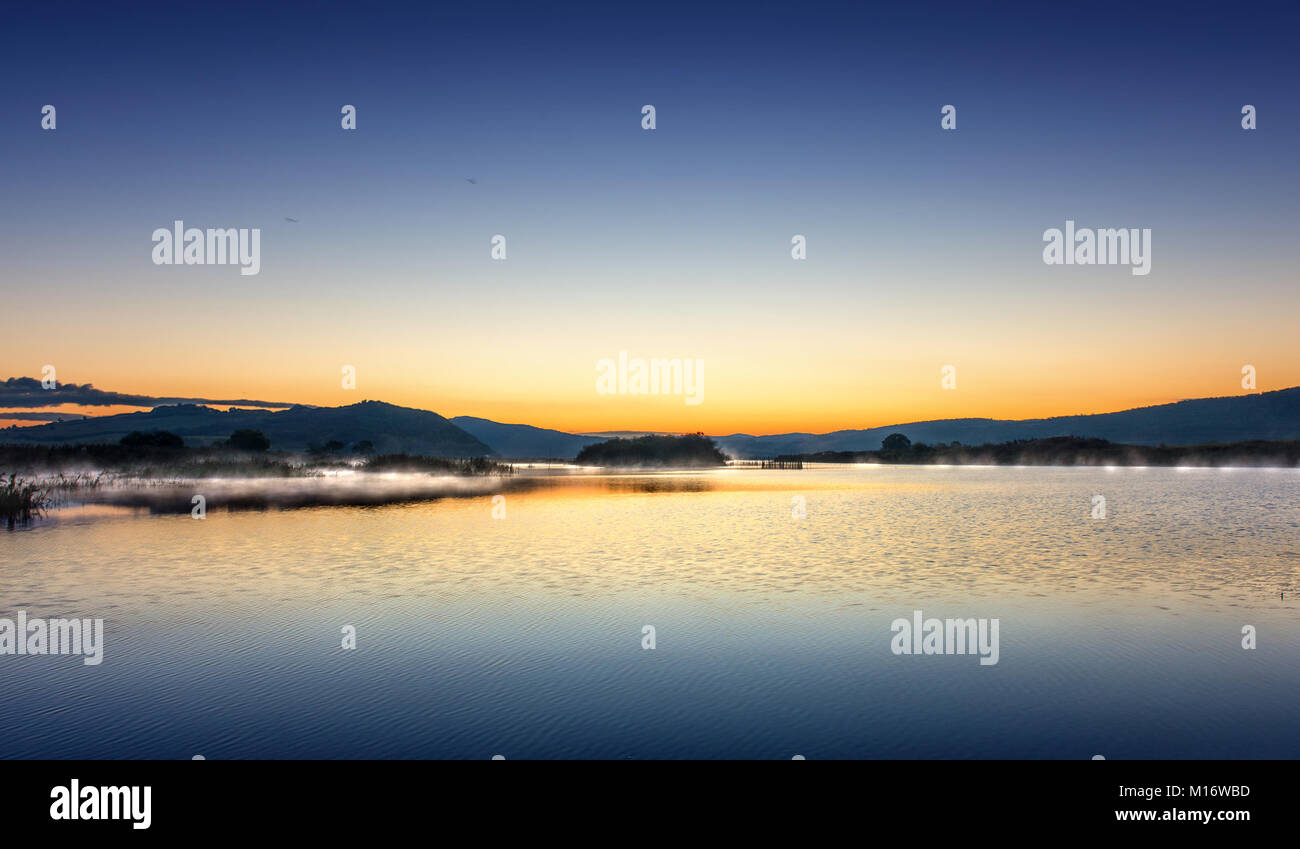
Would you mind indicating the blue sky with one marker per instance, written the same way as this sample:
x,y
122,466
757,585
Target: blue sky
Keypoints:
x,y
772,119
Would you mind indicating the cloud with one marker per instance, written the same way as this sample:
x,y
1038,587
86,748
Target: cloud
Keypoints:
x,y
19,392
43,417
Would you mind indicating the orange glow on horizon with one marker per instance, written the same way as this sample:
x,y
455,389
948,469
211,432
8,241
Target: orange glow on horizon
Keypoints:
x,y
765,371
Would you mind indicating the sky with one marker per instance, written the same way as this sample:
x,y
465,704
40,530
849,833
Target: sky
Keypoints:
x,y
924,245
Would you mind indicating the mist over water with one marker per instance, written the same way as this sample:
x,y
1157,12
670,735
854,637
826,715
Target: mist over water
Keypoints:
x,y
354,489
522,635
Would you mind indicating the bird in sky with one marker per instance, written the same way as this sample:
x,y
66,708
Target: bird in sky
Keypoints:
x,y
291,220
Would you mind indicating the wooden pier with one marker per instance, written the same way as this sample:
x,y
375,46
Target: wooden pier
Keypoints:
x,y
767,464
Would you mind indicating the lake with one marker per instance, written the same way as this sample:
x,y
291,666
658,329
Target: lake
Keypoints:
x,y
523,635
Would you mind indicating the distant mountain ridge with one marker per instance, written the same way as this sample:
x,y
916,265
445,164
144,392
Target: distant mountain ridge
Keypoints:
x,y
518,441
1261,416
392,429
1265,415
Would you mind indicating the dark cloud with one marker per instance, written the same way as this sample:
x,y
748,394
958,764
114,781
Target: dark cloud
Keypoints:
x,y
18,392
43,417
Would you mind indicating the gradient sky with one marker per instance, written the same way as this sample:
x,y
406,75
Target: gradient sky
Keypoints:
x,y
924,246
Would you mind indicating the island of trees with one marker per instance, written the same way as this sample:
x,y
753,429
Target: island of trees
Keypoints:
x,y
695,451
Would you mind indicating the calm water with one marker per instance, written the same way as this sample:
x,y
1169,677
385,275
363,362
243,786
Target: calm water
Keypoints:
x,y
522,636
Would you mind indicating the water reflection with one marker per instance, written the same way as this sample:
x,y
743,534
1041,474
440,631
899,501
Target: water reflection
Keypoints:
x,y
477,634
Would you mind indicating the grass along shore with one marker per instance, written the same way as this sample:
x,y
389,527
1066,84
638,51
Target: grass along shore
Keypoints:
x,y
35,479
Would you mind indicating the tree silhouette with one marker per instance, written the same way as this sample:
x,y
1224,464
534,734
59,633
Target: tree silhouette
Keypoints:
x,y
895,443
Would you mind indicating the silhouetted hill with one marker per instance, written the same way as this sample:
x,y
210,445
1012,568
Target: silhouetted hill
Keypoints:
x,y
517,441
1269,416
392,429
